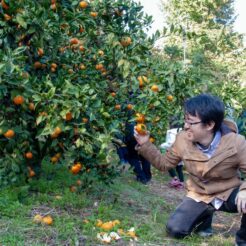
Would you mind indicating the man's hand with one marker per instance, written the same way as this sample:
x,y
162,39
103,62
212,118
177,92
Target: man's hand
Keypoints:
x,y
140,138
241,201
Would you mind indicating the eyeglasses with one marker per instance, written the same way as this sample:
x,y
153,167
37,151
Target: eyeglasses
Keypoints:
x,y
192,123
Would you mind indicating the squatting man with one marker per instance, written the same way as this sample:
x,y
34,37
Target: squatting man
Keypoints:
x,y
213,154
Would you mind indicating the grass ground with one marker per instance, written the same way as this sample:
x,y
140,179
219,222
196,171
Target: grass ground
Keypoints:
x,y
75,214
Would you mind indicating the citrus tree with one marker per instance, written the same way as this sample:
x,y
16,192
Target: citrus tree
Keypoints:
x,y
72,72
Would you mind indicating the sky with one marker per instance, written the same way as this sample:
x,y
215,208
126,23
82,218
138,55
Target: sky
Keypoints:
x,y
153,7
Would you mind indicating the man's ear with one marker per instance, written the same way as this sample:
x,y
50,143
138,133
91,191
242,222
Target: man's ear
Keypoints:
x,y
210,125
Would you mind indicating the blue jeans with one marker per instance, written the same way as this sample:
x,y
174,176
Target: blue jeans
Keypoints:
x,y
192,216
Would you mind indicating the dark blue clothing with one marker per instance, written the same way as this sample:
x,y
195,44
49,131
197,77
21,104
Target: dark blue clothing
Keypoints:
x,y
141,167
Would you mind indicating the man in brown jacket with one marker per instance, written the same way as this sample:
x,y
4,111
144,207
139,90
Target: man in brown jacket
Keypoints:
x,y
213,154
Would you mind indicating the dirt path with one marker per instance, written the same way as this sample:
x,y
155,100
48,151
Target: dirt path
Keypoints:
x,y
223,223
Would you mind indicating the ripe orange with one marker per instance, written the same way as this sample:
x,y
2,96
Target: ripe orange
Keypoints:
x,y
107,225
4,5
29,155
151,139
40,52
93,14
113,94
140,118
37,65
31,106
117,106
57,130
7,17
54,65
99,66
18,100
170,98
154,88
31,173
53,1
47,220
126,41
69,116
142,80
73,188
9,134
53,6
129,106
74,41
76,168
141,128
54,159
85,120
83,4
81,29
81,48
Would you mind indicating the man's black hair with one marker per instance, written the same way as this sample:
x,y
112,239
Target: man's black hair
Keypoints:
x,y
207,107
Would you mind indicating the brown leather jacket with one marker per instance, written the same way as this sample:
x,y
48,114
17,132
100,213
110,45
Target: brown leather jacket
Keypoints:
x,y
208,178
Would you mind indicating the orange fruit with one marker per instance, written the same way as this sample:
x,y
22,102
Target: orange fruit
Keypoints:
x,y
9,134
78,182
170,98
85,120
99,66
7,17
47,220
126,41
154,88
37,65
81,29
141,128
31,106
57,130
54,65
52,69
100,53
4,5
82,66
54,159
69,116
140,118
53,1
129,106
73,188
70,70
31,173
142,80
75,168
29,155
93,14
53,6
81,48
83,4
117,106
151,139
113,94
37,218
99,223
18,100
107,225
40,52
74,41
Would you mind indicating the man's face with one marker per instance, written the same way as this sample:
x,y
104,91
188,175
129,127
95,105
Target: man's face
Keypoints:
x,y
195,129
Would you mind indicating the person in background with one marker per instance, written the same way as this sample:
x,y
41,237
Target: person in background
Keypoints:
x,y
122,152
177,175
212,152
141,166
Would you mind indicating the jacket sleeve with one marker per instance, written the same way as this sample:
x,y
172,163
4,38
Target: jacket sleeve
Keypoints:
x,y
242,159
163,162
